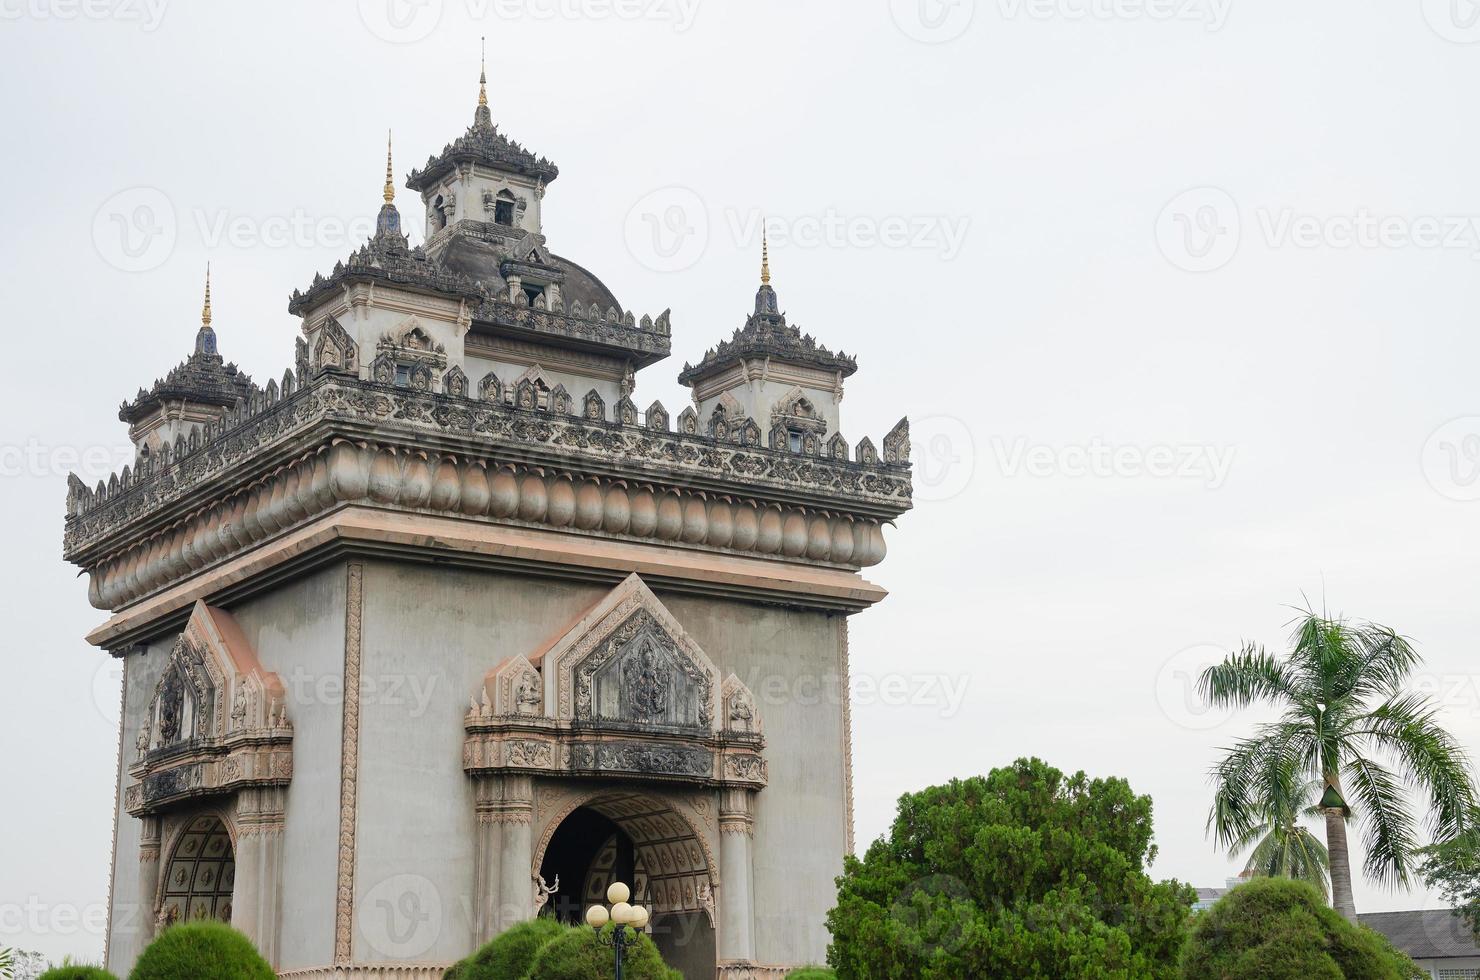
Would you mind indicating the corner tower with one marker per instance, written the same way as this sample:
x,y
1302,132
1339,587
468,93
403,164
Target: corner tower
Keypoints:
x,y
771,378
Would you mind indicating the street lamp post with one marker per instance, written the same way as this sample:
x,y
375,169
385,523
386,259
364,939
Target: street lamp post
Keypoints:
x,y
623,916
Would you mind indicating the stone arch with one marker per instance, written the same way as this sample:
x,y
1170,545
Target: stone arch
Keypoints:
x,y
198,878
647,813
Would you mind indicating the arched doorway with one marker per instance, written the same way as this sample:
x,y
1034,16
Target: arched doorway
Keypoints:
x,y
643,842
200,875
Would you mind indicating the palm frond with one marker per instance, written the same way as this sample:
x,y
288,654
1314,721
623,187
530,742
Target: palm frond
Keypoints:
x,y
1387,823
1245,677
1407,728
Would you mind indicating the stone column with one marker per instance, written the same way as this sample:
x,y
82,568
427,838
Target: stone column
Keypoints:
x,y
487,861
736,897
148,878
256,901
516,886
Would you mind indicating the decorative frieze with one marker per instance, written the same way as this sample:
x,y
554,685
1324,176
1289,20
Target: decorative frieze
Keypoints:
x,y
300,456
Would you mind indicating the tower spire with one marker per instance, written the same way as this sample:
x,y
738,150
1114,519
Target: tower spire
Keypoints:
x,y
765,257
205,337
483,71
205,310
483,116
390,188
765,296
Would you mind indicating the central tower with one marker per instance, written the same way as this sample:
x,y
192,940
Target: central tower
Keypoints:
x,y
440,631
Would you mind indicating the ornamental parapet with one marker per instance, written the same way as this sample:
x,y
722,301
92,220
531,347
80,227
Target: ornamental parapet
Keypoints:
x,y
296,453
645,340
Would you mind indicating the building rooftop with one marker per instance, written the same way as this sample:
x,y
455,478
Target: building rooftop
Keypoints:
x,y
1425,934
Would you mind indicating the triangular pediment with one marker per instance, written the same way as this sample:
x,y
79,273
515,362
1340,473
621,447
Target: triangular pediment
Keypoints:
x,y
629,663
211,684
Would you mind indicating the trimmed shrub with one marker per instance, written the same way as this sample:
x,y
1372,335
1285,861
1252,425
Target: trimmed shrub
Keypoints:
x,y
577,954
508,955
812,973
195,950
68,971
1280,929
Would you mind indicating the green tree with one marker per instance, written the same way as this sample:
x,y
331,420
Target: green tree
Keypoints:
x,y
1279,847
509,954
1348,722
1452,868
194,950
1277,929
70,971
1025,872
578,954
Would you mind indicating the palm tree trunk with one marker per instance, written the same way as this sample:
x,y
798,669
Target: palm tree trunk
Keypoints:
x,y
1341,868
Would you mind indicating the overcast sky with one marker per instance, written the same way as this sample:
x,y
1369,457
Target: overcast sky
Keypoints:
x,y
1179,296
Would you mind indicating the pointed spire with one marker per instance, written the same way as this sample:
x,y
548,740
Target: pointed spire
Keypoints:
x,y
390,187
483,116
483,72
765,296
205,337
205,311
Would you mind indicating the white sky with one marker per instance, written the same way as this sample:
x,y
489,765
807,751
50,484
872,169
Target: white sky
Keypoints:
x,y
1058,136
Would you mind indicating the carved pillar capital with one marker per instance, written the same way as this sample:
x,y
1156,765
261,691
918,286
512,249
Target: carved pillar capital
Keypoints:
x,y
737,811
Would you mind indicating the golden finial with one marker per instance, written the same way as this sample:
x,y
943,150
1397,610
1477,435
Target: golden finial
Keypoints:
x,y
205,312
390,187
765,258
483,72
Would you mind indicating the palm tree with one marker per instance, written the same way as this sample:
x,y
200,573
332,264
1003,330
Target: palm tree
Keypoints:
x,y
1347,722
1281,848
